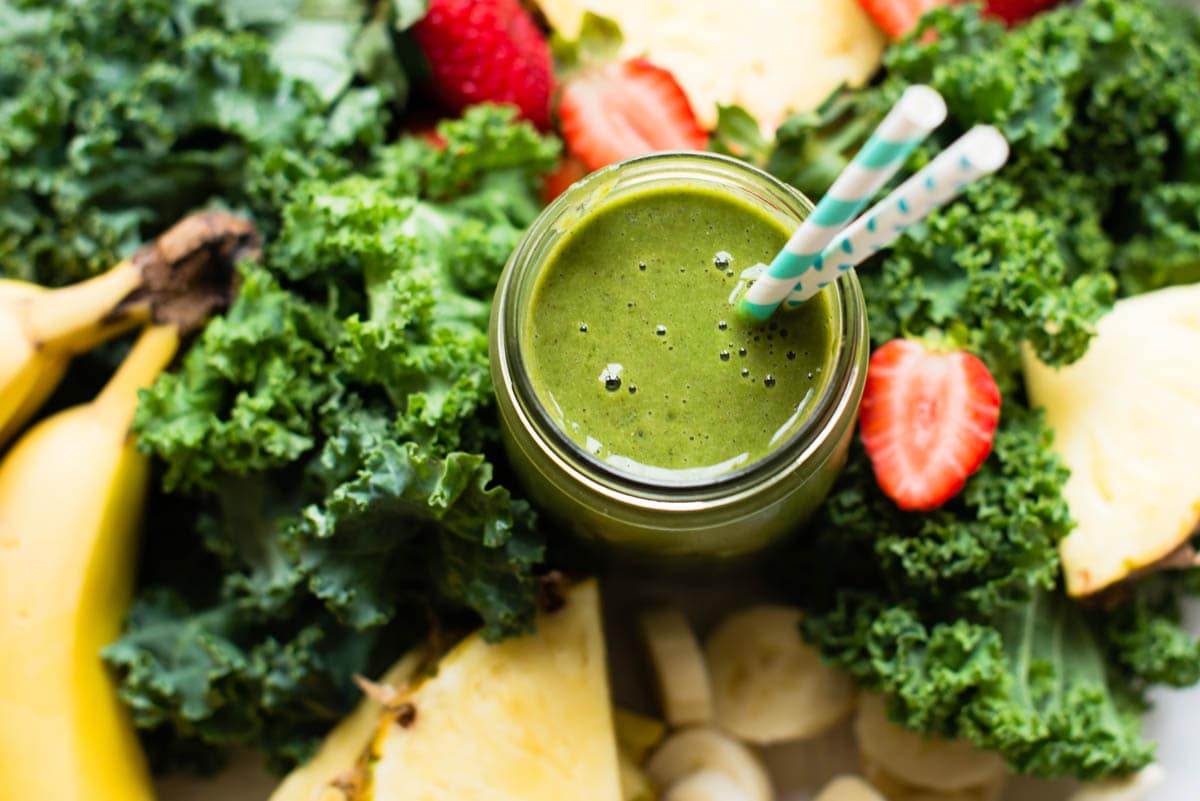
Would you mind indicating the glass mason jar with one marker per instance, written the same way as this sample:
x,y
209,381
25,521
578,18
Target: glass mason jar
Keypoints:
x,y
728,515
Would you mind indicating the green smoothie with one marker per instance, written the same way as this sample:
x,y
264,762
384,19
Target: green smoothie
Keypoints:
x,y
635,351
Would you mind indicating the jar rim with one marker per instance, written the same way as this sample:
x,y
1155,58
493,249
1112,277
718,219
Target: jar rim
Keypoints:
x,y
813,434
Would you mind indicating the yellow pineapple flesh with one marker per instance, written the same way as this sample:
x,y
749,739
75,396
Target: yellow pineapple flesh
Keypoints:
x,y
770,58
1126,421
526,719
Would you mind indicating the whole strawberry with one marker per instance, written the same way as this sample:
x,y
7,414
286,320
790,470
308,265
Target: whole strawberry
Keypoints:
x,y
487,51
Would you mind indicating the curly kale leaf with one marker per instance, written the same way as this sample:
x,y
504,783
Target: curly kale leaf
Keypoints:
x,y
119,117
247,395
398,508
986,549
336,426
481,145
195,680
1029,683
1098,104
958,613
1145,632
989,275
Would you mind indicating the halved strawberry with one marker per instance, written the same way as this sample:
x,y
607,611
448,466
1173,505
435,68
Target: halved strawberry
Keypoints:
x,y
927,421
623,109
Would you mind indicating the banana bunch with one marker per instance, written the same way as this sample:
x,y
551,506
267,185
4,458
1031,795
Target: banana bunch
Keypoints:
x,y
182,277
71,495
42,329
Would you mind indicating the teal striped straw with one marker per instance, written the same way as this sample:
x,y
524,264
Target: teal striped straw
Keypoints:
x,y
919,110
977,153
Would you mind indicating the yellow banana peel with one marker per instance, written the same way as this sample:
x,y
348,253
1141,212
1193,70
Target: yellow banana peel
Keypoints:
x,y
71,495
42,329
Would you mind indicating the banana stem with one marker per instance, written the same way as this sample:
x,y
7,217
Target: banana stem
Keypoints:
x,y
150,355
77,317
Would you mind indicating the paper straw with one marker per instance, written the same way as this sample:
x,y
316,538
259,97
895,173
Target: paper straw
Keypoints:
x,y
979,152
919,110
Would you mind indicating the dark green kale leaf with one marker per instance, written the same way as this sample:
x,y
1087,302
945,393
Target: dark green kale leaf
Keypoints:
x,y
247,396
336,425
958,614
983,552
1145,635
1099,105
116,118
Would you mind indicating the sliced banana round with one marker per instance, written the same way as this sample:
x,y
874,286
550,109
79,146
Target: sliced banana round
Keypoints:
x,y
769,685
895,790
849,788
1132,788
703,748
705,785
923,762
679,666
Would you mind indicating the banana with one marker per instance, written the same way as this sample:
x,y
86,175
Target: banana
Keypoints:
x,y
41,329
896,790
705,785
702,748
768,685
930,763
683,682
849,788
71,495
180,277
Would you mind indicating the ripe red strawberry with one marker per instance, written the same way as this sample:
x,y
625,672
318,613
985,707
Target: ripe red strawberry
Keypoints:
x,y
1013,11
623,109
487,51
927,421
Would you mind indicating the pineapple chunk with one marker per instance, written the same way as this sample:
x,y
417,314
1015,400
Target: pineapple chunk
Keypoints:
x,y
315,780
635,784
1126,421
637,734
527,719
769,57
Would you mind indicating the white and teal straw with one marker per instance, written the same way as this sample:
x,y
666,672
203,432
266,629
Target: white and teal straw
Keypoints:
x,y
979,152
919,110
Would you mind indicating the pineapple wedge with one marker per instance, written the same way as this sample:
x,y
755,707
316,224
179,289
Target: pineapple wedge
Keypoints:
x,y
635,784
526,719
316,779
637,734
1126,421
771,58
